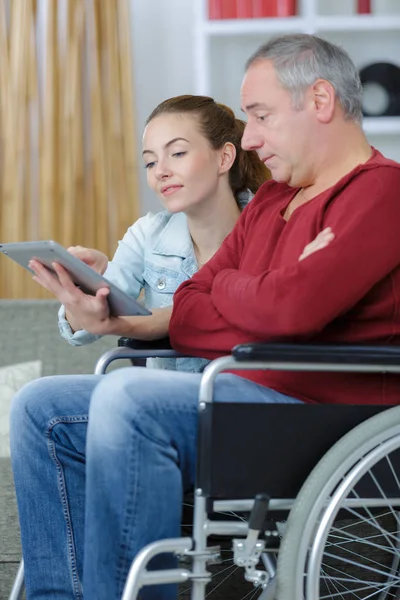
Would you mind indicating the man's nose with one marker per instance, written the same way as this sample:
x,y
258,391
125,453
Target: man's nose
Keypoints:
x,y
251,140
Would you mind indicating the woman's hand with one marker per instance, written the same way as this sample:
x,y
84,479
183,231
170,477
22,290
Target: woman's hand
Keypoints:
x,y
323,239
83,311
92,312
97,260
146,328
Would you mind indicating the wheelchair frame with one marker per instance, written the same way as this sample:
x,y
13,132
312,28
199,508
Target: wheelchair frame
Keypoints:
x,y
248,549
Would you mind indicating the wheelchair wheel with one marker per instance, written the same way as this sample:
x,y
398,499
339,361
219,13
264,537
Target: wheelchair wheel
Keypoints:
x,y
342,537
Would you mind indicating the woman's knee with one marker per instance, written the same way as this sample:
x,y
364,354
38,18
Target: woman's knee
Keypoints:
x,y
43,399
28,414
30,400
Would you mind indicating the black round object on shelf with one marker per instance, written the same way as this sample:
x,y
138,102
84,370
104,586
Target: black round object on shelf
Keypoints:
x,y
381,90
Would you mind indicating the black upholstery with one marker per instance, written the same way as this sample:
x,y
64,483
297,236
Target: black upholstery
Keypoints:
x,y
247,449
305,353
163,344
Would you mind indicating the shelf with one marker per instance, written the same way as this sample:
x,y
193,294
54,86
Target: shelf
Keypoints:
x,y
358,23
382,125
254,26
221,27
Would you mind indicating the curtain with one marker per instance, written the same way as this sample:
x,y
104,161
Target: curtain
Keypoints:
x,y
67,139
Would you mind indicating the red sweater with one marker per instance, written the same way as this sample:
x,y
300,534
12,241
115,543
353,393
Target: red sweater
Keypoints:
x,y
255,289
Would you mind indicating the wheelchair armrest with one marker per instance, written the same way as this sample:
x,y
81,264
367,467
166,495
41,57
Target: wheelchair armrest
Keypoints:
x,y
163,344
129,348
320,354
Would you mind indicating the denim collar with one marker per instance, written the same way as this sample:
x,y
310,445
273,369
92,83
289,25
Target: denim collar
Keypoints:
x,y
174,239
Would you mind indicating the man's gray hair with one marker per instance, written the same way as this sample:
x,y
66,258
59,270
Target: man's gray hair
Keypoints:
x,y
300,59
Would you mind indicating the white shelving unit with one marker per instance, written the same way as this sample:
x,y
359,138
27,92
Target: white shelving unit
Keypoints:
x,y
223,46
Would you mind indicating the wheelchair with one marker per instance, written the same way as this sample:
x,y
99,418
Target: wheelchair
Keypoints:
x,y
304,498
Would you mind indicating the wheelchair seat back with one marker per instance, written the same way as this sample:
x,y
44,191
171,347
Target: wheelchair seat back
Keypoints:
x,y
246,449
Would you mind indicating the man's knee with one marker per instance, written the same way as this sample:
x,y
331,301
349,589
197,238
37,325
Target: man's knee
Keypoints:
x,y
120,397
138,399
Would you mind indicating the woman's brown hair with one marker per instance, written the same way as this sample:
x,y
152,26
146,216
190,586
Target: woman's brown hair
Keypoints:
x,y
219,125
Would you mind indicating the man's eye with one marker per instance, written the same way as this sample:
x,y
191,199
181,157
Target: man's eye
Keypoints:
x,y
150,165
261,117
179,154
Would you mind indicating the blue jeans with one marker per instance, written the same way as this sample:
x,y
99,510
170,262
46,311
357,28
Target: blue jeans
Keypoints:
x,y
100,465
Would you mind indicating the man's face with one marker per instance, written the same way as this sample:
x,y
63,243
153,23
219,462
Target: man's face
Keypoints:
x,y
279,134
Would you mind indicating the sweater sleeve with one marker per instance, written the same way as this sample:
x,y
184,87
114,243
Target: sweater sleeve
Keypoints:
x,y
303,298
196,326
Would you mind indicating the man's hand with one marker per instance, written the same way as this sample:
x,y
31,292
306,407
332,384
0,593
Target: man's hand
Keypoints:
x,y
323,239
95,259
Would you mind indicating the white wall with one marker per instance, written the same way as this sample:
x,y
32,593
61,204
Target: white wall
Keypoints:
x,y
162,38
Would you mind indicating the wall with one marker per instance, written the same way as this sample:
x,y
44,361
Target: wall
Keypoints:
x,y
162,39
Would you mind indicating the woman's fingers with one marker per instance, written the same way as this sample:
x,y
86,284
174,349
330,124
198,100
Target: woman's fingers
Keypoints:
x,y
94,258
58,283
102,293
84,254
45,277
64,278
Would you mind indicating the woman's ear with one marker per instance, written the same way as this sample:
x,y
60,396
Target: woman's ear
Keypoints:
x,y
228,155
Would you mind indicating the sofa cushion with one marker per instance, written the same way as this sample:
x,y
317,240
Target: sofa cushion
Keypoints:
x,y
29,331
12,378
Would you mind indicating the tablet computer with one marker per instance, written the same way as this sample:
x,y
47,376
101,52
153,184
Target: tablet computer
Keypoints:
x,y
47,252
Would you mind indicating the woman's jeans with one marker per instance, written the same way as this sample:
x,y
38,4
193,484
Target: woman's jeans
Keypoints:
x,y
100,466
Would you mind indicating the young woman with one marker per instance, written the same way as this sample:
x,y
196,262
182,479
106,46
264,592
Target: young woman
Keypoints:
x,y
195,164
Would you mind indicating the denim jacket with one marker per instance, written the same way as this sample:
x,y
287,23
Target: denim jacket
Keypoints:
x,y
155,255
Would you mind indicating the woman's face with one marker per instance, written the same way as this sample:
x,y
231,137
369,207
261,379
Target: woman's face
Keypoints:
x,y
182,168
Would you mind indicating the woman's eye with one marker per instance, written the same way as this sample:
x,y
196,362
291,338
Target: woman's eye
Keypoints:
x,y
261,117
179,154
150,165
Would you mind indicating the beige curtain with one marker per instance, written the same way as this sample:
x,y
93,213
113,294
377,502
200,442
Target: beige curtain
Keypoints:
x,y
67,157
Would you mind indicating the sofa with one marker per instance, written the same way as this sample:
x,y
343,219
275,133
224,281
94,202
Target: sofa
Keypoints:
x,y
29,338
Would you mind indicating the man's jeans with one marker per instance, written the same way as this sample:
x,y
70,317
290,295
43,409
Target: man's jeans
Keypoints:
x,y
100,465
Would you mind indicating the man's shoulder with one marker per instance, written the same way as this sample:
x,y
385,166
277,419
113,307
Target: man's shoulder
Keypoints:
x,y
377,174
380,169
379,160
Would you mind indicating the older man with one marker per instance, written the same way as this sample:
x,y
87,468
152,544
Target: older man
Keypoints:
x,y
302,97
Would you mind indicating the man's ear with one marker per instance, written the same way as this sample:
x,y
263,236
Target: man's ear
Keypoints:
x,y
324,99
228,155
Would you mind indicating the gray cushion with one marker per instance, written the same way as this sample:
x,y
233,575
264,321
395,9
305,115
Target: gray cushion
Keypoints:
x,y
29,331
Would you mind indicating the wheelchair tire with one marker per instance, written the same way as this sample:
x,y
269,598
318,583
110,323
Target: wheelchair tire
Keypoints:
x,y
317,558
